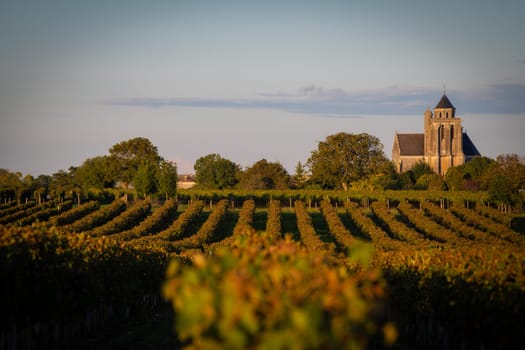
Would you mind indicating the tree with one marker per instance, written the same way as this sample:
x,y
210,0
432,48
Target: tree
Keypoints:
x,y
387,178
215,172
500,190
42,183
95,173
264,175
506,179
127,156
429,181
145,178
167,179
62,183
421,168
10,185
343,158
299,178
471,176
455,178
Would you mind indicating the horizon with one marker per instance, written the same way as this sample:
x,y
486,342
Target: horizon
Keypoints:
x,y
251,81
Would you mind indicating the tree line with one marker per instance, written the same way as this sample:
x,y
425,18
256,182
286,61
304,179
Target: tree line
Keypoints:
x,y
132,164
342,161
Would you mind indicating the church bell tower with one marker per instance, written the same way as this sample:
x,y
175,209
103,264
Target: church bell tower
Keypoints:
x,y
443,145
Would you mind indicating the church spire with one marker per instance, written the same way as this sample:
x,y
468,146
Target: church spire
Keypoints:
x,y
445,103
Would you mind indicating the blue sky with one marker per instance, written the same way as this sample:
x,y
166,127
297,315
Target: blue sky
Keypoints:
x,y
251,79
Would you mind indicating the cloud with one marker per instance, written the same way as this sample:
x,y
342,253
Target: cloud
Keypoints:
x,y
494,99
393,100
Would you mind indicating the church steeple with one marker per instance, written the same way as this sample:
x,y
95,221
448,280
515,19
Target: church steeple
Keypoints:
x,y
444,109
444,102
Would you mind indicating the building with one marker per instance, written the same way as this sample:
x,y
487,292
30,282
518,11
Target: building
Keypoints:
x,y
186,181
443,145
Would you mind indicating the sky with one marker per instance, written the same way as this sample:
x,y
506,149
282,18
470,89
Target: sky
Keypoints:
x,y
251,79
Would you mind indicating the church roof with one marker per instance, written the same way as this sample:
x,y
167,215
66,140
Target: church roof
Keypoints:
x,y
444,103
411,144
469,149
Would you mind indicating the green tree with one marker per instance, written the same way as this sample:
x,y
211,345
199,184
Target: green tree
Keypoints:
x,y
215,172
95,173
300,177
471,176
11,185
421,168
145,178
455,178
387,178
477,170
264,175
500,190
343,158
506,179
429,181
167,179
61,184
42,183
127,156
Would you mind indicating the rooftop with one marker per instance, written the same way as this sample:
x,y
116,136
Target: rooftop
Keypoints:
x,y
411,144
444,103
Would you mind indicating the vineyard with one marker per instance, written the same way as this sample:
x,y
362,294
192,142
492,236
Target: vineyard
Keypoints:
x,y
276,270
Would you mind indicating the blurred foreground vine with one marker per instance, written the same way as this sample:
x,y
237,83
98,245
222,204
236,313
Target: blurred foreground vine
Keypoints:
x,y
267,293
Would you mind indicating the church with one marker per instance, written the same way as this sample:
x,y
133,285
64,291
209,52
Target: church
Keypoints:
x,y
442,146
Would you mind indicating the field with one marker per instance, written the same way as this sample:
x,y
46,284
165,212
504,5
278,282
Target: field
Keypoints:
x,y
292,269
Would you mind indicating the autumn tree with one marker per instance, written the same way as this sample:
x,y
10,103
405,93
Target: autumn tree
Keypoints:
x,y
215,172
343,158
264,175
